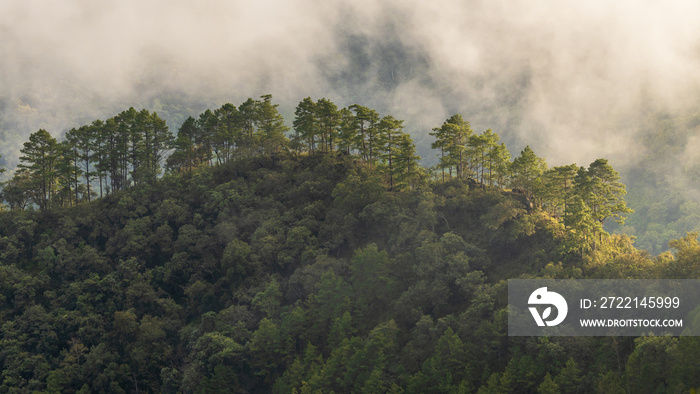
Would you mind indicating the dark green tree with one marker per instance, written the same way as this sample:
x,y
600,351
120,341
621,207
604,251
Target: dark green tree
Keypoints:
x,y
208,124
186,153
328,121
72,148
17,191
40,160
389,137
306,124
366,119
569,377
406,166
161,141
248,119
271,127
479,150
82,141
67,168
347,131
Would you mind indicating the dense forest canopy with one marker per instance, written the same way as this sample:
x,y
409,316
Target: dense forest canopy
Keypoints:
x,y
238,255
131,148
547,77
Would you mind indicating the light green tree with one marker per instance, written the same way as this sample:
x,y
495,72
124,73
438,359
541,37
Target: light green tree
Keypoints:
x,y
527,170
499,158
569,377
451,139
548,386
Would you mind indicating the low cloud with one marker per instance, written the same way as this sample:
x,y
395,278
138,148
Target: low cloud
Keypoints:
x,y
575,80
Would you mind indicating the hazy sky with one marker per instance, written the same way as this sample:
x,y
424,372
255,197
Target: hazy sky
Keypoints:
x,y
573,79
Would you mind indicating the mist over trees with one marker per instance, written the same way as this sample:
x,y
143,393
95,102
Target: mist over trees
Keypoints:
x,y
634,88
131,148
363,244
240,255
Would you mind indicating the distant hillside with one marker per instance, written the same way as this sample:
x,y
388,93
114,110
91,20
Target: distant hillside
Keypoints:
x,y
664,187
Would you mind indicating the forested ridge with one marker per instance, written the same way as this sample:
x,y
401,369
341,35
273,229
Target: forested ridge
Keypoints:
x,y
241,256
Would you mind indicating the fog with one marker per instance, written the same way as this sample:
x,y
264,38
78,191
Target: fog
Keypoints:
x,y
574,80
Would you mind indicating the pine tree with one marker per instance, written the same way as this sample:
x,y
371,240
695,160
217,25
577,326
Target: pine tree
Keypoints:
x,y
139,141
305,124
110,134
271,127
389,135
367,134
607,192
72,142
207,124
499,157
569,377
602,192
160,143
228,132
490,159
98,152
406,163
126,121
579,220
82,140
548,386
66,169
479,150
328,121
347,131
557,188
527,169
184,157
451,139
248,111
40,159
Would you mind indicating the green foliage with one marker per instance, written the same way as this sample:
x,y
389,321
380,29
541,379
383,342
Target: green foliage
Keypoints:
x,y
327,263
548,386
527,170
451,139
40,161
663,184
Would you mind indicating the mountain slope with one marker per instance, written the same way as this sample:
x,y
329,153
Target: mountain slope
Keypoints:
x,y
296,273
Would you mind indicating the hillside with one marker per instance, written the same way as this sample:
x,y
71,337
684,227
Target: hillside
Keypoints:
x,y
302,274
236,256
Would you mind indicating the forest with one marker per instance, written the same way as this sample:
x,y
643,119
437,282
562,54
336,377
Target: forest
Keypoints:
x,y
239,255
